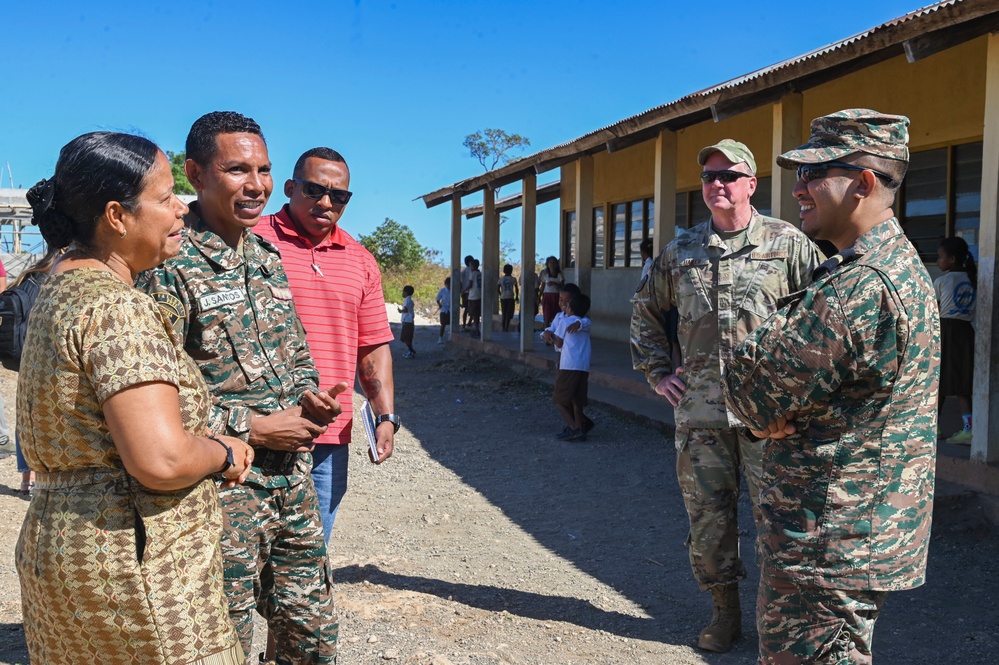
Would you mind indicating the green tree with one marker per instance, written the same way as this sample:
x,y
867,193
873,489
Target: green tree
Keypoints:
x,y
394,246
490,146
181,185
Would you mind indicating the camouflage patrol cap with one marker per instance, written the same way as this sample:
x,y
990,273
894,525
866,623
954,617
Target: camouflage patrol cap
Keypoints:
x,y
734,151
852,130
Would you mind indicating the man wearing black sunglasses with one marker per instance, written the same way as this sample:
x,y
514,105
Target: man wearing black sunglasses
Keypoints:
x,y
338,292
843,382
720,280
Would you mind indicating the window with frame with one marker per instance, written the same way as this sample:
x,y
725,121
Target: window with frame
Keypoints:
x,y
598,237
569,236
631,223
941,196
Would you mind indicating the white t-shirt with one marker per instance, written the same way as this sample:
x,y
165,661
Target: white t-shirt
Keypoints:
x,y
956,295
506,284
575,346
407,316
552,283
475,288
444,298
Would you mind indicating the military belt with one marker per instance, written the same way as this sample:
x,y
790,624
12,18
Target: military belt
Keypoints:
x,y
274,462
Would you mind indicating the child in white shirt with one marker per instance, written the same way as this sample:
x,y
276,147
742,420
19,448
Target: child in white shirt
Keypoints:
x,y
571,383
408,321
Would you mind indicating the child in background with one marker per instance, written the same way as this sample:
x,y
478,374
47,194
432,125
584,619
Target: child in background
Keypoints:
x,y
548,334
474,297
571,383
509,294
956,296
444,306
408,321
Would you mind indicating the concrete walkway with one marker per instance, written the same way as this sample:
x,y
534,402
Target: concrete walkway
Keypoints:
x,y
614,384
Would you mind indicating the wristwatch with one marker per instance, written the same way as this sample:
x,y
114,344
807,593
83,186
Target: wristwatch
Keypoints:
x,y
389,418
229,461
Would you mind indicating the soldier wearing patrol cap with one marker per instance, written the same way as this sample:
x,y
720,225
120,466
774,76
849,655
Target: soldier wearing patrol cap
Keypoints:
x,y
718,280
843,381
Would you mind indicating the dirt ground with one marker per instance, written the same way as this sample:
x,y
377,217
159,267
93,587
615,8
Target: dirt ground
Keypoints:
x,y
486,541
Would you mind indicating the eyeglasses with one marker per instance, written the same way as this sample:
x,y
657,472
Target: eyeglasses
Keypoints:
x,y
727,177
316,192
810,172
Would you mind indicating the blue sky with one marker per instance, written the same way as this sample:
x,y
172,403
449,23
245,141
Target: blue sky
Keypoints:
x,y
394,86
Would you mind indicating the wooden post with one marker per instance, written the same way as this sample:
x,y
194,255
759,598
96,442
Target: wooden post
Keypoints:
x,y
456,262
584,222
528,247
490,261
787,128
985,398
664,217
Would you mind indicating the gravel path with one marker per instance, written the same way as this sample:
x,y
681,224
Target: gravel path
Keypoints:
x,y
485,541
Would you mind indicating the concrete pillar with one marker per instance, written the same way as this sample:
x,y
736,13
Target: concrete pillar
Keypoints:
x,y
985,399
584,222
788,123
457,265
528,248
490,261
664,218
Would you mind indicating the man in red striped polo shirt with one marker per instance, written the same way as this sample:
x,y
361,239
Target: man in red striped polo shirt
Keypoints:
x,y
337,289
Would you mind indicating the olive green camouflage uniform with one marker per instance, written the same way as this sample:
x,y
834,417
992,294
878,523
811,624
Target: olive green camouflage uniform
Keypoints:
x,y
854,359
721,288
234,310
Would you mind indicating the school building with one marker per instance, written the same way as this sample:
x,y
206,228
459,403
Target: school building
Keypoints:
x,y
638,178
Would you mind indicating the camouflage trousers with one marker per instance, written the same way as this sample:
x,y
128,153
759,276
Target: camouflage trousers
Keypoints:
x,y
275,563
709,465
808,624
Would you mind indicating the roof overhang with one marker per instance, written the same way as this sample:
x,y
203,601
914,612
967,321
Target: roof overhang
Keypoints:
x,y
916,35
545,193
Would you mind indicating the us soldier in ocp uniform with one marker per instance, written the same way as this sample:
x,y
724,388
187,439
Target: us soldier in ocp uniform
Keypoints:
x,y
720,279
843,379
229,299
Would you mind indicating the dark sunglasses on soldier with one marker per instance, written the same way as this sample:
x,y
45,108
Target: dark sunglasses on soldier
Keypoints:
x,y
316,192
727,177
810,172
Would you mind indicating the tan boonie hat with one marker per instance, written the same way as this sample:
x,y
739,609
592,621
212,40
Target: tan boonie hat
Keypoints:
x,y
734,151
852,130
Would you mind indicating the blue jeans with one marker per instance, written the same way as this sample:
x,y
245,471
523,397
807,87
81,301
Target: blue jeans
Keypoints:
x,y
329,473
22,464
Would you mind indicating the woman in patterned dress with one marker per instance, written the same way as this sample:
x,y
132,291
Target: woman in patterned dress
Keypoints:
x,y
119,555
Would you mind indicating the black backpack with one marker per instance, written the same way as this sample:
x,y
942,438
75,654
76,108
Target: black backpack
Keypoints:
x,y
15,307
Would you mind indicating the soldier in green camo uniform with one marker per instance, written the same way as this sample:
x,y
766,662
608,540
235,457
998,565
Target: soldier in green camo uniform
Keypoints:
x,y
718,280
843,380
228,296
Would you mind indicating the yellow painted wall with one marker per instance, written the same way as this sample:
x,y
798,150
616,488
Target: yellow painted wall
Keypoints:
x,y
943,95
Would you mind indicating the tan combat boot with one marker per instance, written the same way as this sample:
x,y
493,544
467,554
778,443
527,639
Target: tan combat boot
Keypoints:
x,y
726,620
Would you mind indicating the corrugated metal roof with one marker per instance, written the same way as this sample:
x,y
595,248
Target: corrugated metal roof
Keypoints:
x,y
701,100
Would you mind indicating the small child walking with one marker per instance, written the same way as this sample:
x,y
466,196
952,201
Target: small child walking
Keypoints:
x,y
571,382
956,296
509,294
474,298
408,321
444,307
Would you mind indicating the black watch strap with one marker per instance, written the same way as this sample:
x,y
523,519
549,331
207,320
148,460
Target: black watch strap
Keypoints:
x,y
389,418
229,461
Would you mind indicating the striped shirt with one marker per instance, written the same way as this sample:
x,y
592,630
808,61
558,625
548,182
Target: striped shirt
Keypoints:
x,y
337,289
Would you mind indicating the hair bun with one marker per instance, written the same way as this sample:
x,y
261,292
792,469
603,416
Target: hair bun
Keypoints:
x,y
41,198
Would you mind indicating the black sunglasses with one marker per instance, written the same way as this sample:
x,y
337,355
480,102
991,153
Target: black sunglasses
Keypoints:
x,y
727,177
810,172
316,192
